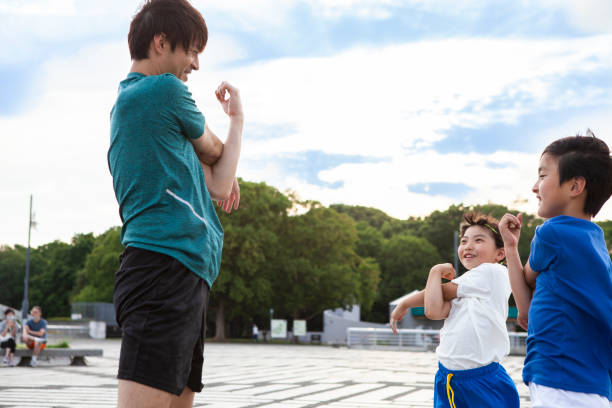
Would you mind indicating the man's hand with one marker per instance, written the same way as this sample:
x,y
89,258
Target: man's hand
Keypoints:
x,y
396,316
447,271
232,106
510,229
233,200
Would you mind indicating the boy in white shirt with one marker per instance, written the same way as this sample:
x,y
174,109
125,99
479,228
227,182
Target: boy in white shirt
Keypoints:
x,y
474,338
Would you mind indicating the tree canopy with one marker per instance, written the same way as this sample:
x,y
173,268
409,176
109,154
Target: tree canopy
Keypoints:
x,y
296,257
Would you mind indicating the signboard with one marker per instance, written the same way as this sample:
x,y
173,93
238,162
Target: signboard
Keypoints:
x,y
299,327
278,328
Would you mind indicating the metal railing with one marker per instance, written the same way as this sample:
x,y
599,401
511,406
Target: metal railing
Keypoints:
x,y
412,339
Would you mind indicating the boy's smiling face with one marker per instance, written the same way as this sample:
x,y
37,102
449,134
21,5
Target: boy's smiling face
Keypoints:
x,y
554,198
477,246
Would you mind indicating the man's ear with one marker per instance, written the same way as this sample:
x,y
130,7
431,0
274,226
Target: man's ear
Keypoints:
x,y
577,186
159,43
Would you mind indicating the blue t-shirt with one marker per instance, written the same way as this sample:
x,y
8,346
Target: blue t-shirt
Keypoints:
x,y
158,180
569,342
36,326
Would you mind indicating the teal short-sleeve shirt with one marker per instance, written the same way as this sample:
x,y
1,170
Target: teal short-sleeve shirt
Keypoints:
x,y
158,180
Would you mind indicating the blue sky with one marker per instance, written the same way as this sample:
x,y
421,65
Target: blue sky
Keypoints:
x,y
407,106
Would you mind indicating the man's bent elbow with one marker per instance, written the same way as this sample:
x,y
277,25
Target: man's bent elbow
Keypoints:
x,y
219,194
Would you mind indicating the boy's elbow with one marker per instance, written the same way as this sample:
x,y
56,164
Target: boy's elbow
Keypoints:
x,y
431,314
435,314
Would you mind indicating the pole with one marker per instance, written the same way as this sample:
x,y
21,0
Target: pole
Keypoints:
x,y
455,246
25,306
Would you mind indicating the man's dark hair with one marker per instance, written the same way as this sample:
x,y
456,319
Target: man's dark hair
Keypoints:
x,y
7,311
486,221
587,157
177,19
38,308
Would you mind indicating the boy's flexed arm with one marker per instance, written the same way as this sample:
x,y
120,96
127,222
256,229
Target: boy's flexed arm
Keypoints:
x,y
449,292
436,307
510,229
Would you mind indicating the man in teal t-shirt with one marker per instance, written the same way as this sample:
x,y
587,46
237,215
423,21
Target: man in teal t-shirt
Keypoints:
x,y
167,167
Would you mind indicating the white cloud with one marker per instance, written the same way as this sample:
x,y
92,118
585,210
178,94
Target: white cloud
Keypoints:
x,y
370,102
588,15
383,101
38,7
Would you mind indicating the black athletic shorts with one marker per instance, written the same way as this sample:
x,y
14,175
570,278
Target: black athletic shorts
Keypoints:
x,y
161,308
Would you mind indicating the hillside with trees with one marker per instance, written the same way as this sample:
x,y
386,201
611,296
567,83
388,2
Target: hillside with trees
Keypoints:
x,y
296,257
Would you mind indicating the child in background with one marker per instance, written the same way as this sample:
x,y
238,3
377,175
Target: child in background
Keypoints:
x,y
8,334
569,316
474,338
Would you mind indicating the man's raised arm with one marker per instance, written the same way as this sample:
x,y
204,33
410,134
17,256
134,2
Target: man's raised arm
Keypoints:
x,y
221,173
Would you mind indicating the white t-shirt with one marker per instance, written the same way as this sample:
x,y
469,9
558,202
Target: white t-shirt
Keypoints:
x,y
474,333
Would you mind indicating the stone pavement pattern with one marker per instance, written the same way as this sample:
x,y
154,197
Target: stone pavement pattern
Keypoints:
x,y
250,376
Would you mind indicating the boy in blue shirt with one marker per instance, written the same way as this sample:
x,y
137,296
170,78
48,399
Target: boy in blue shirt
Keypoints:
x,y
564,292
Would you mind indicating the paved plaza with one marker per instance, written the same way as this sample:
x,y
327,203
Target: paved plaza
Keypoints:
x,y
249,376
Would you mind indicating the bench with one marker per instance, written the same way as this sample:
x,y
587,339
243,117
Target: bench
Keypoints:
x,y
77,356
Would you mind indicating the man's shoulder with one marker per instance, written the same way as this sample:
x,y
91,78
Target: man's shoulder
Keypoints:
x,y
169,83
153,86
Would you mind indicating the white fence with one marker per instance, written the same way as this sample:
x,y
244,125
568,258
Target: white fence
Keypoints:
x,y
412,339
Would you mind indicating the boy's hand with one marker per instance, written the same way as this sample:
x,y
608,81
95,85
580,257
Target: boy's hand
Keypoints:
x,y
396,316
446,271
232,106
510,229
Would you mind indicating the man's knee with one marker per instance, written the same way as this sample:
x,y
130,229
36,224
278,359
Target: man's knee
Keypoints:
x,y
135,395
185,400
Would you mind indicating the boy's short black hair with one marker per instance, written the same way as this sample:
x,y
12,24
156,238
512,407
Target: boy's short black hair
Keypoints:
x,y
177,19
486,221
7,311
587,157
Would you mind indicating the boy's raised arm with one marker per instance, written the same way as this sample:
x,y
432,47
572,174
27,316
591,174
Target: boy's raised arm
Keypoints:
x,y
510,229
436,307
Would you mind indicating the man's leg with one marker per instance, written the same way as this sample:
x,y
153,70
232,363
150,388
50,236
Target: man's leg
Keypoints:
x,y
185,400
135,395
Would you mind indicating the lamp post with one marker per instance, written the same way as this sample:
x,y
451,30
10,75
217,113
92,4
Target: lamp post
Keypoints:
x,y
25,305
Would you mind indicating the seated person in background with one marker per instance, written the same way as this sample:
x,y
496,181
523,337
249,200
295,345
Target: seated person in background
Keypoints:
x,y
8,334
35,333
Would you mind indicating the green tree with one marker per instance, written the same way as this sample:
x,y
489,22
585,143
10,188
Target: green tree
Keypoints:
x,y
12,271
251,249
370,240
372,216
606,226
320,269
95,281
405,263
